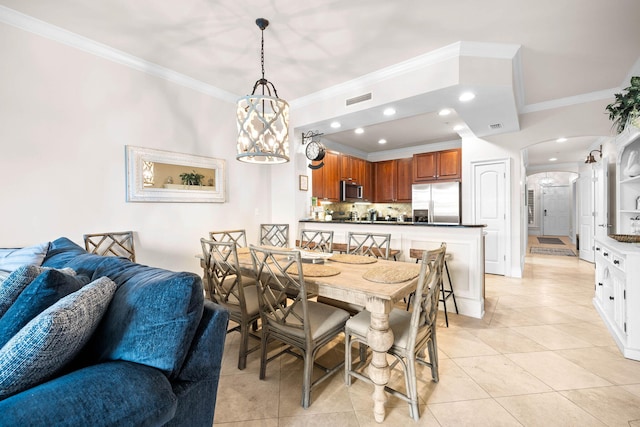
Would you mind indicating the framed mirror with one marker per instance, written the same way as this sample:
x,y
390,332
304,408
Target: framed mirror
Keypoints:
x,y
165,176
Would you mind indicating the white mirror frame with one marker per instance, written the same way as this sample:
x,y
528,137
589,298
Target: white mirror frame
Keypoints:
x,y
136,192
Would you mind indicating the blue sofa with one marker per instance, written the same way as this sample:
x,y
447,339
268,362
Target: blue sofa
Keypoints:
x,y
153,360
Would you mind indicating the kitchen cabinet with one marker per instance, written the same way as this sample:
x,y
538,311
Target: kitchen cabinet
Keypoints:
x,y
368,189
628,181
326,180
443,165
393,180
617,294
352,169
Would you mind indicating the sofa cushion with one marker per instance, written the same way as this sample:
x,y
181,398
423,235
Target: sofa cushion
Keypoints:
x,y
153,317
10,259
61,251
53,338
41,293
13,285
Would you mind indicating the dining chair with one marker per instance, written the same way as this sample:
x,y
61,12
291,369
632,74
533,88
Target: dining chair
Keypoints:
x,y
239,237
412,332
230,289
371,244
274,235
302,325
316,240
118,244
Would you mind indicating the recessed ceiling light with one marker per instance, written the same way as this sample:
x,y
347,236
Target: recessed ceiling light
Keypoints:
x,y
467,96
444,112
553,159
382,141
389,111
335,125
458,127
563,139
359,131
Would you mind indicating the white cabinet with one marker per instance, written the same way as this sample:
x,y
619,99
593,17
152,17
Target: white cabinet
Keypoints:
x,y
628,181
617,292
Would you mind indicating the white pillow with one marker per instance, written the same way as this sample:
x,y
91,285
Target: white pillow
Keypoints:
x,y
11,259
53,338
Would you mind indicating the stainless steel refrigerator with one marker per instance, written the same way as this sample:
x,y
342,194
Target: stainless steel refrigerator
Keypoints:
x,y
437,203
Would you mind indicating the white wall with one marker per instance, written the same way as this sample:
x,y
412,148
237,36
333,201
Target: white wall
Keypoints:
x,y
65,118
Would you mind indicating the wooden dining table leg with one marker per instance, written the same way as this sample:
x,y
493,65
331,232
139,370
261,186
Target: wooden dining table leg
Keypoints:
x,y
380,339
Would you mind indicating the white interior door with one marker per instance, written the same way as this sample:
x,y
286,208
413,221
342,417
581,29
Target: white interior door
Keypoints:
x,y
556,210
490,209
585,217
601,198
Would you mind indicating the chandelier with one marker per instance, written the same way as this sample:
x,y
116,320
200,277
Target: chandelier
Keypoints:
x,y
263,120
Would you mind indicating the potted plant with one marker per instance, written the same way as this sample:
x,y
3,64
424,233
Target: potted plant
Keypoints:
x,y
191,178
626,107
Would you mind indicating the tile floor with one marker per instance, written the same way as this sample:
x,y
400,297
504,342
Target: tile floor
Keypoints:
x,y
540,356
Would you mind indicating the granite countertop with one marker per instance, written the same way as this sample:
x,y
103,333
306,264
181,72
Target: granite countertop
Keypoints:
x,y
409,223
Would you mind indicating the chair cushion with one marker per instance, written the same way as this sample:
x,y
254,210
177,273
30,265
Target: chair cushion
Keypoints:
x,y
53,338
41,293
61,251
399,321
11,288
11,259
323,319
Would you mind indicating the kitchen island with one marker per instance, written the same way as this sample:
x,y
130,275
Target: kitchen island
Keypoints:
x,y
465,243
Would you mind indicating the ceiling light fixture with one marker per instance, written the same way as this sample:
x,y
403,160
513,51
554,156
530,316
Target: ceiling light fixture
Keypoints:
x,y
561,140
553,159
467,96
389,111
335,125
382,141
591,158
359,131
444,112
263,120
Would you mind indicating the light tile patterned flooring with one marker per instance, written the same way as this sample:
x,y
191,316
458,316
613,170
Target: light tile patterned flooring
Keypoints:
x,y
541,356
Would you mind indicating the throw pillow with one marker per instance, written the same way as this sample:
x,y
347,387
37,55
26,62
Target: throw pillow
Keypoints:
x,y
53,338
41,293
10,259
15,283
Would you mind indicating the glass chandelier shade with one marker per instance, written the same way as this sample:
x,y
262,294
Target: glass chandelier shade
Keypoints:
x,y
263,121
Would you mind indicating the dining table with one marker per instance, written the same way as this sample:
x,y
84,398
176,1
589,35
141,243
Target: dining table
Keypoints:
x,y
373,283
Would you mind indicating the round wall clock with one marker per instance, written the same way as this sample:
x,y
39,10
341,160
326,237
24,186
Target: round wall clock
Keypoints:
x,y
315,151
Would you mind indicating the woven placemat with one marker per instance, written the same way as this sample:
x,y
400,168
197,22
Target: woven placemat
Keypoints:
x,y
395,274
314,270
353,259
242,251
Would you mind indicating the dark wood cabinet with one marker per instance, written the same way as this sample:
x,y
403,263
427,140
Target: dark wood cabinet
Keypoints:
x,y
368,188
352,169
393,180
326,180
438,166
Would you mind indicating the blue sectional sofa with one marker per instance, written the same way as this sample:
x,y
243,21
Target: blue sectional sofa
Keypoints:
x,y
154,358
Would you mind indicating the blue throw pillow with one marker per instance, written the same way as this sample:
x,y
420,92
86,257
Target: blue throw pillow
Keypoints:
x,y
14,284
41,293
11,259
53,338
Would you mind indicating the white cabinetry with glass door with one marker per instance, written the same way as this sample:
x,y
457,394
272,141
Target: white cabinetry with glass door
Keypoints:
x,y
617,292
628,181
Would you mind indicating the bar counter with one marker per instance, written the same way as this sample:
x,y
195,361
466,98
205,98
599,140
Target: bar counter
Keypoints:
x,y
465,243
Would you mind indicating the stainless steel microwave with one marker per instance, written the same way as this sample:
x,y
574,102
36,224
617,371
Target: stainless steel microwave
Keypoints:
x,y
350,191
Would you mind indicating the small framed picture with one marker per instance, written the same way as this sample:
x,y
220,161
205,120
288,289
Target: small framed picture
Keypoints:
x,y
304,182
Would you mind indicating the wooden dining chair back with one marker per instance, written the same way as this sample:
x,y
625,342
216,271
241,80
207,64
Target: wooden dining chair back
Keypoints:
x,y
119,244
371,244
239,237
274,235
413,332
303,326
230,289
316,240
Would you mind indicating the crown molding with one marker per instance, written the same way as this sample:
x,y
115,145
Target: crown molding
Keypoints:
x,y
584,98
60,35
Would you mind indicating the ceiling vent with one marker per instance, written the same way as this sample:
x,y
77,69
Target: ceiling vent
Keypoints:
x,y
495,126
355,100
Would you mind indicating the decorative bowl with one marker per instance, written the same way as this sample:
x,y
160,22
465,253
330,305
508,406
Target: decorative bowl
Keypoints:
x,y
626,238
